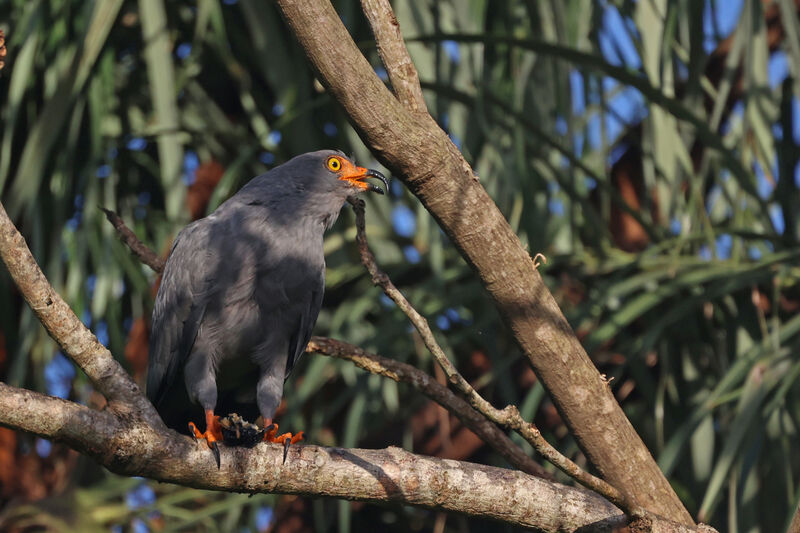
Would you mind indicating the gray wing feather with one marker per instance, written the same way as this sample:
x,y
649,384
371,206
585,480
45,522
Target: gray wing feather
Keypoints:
x,y
178,311
298,341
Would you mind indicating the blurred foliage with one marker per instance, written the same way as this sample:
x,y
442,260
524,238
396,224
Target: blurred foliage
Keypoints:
x,y
649,149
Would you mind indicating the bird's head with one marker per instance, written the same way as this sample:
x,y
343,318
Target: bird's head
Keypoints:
x,y
314,184
348,174
328,171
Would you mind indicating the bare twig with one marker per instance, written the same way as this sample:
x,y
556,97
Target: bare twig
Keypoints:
x,y
393,52
139,249
424,383
77,342
509,416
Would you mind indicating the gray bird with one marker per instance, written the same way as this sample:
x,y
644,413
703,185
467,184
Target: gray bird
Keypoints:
x,y
241,291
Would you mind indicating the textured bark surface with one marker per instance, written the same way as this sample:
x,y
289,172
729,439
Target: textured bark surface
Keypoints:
x,y
416,150
402,73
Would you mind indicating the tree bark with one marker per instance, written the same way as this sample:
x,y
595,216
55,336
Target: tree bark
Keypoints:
x,y
415,149
794,526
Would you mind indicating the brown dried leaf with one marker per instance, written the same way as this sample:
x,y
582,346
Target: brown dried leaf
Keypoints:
x,y
2,49
207,176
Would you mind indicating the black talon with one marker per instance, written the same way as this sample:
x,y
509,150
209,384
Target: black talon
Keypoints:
x,y
286,444
269,428
215,449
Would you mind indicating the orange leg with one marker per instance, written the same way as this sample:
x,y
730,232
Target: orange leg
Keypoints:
x,y
286,439
212,435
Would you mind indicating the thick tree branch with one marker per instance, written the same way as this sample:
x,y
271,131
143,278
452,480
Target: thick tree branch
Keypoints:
x,y
414,148
128,446
77,342
54,418
402,73
393,475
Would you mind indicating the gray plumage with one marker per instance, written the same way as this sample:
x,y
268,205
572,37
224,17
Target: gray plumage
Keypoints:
x,y
245,284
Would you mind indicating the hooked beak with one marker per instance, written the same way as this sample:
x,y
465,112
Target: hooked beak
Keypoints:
x,y
358,176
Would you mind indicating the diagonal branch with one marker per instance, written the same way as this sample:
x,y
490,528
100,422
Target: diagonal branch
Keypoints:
x,y
509,416
139,249
393,52
75,339
401,372
794,526
2,49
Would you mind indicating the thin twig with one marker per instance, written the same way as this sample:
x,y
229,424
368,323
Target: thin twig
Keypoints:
x,y
509,416
404,373
139,249
2,50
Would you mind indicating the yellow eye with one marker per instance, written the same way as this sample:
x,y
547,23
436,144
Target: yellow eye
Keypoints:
x,y
334,164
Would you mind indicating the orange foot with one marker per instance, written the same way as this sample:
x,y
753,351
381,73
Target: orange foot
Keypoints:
x,y
212,435
287,439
